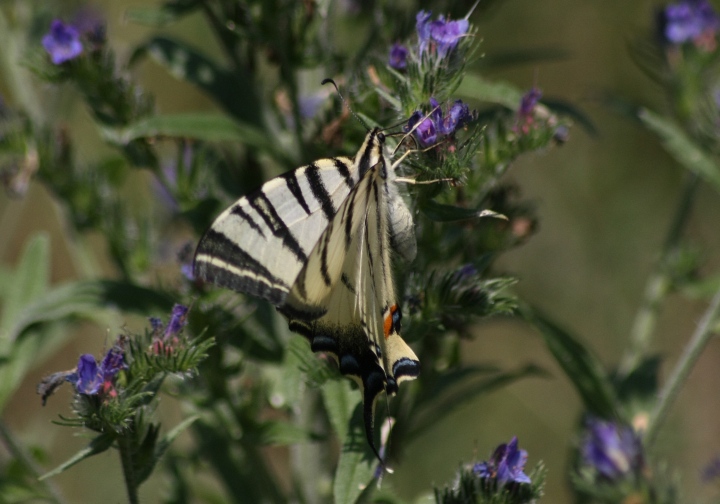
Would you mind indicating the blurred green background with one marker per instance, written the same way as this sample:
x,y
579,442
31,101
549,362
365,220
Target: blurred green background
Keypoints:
x,y
604,202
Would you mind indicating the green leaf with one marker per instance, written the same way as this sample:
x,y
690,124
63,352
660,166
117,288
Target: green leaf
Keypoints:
x,y
129,297
340,403
231,90
201,126
455,388
163,15
279,433
98,445
357,463
682,148
584,369
502,93
160,447
29,281
440,212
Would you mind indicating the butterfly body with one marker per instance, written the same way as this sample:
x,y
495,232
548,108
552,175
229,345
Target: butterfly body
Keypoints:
x,y
316,242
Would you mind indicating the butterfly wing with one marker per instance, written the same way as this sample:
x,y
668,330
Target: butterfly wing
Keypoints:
x,y
260,244
343,299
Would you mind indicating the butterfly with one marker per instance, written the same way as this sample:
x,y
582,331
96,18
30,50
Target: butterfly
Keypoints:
x,y
316,242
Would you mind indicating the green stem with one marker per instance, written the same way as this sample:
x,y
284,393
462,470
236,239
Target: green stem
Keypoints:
x,y
125,447
14,447
659,283
704,332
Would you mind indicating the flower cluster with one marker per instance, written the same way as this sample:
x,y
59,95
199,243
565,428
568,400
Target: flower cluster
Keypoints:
x,y
506,465
428,128
689,21
439,36
613,450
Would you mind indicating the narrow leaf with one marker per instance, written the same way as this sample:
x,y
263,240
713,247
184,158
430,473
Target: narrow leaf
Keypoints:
x,y
502,93
440,212
682,148
29,280
583,369
229,89
357,463
201,126
97,445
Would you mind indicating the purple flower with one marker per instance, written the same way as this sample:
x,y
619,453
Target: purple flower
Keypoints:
x,y
455,118
711,471
445,34
437,123
688,20
528,102
426,132
422,26
156,324
613,450
398,56
62,43
506,465
90,378
177,321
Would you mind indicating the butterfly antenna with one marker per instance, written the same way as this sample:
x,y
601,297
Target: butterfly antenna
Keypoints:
x,y
325,81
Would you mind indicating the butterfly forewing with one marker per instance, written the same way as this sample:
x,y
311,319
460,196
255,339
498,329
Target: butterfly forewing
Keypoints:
x,y
260,244
316,243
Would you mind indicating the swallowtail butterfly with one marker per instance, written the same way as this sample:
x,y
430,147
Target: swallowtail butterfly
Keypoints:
x,y
316,242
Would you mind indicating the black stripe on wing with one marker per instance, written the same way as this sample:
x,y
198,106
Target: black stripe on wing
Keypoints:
x,y
319,191
294,186
256,280
264,207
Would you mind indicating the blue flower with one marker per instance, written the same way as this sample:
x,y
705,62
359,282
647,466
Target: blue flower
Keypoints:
x,y
398,56
711,471
178,320
613,450
422,26
529,100
90,378
506,466
62,43
458,114
426,132
688,20
437,123
445,34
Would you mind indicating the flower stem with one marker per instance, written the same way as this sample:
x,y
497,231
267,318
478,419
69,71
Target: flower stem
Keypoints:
x,y
14,447
125,447
659,283
704,332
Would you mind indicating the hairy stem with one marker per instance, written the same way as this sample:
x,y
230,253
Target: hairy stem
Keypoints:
x,y
125,447
659,283
14,447
704,332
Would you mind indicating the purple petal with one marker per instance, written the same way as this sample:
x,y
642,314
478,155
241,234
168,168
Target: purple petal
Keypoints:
x,y
422,25
89,380
177,320
62,43
398,56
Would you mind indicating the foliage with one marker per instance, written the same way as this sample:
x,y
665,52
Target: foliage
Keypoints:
x,y
244,383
